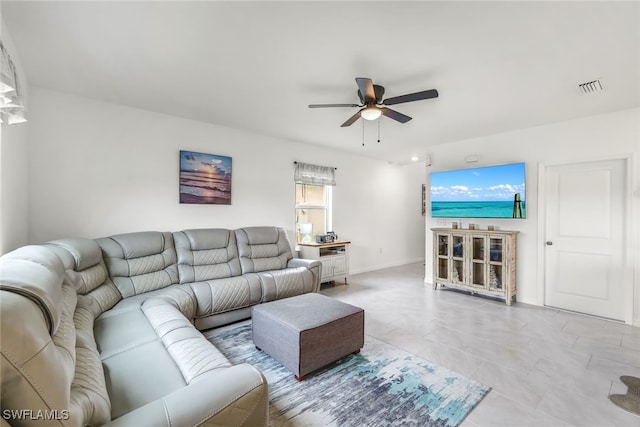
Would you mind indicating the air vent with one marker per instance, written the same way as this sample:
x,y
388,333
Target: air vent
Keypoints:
x,y
590,87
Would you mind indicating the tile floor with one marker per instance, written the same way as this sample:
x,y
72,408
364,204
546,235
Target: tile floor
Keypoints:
x,y
546,367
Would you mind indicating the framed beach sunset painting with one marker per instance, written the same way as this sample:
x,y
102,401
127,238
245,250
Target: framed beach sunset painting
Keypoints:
x,y
205,179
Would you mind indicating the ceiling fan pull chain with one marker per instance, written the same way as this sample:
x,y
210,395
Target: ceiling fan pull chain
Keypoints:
x,y
363,133
378,131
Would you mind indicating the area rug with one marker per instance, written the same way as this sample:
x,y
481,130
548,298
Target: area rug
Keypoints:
x,y
381,386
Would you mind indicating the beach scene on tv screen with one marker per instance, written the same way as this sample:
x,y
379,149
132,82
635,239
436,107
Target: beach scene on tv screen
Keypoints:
x,y
485,192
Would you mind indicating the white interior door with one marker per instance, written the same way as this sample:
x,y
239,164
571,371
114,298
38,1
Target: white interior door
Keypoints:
x,y
585,229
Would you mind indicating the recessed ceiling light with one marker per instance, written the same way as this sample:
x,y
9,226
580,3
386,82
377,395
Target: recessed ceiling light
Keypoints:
x,y
414,158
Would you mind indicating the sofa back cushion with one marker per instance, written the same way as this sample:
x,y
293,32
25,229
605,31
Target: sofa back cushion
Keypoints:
x,y
87,272
140,262
206,254
38,335
263,248
87,276
36,273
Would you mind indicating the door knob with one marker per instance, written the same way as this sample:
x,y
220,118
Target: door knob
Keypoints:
x,y
549,243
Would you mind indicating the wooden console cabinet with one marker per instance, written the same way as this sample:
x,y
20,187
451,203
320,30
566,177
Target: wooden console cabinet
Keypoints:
x,y
478,261
333,256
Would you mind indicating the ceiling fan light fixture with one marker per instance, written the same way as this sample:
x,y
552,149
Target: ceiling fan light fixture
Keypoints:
x,y
370,113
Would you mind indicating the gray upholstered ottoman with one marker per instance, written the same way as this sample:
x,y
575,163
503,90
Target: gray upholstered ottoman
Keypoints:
x,y
308,331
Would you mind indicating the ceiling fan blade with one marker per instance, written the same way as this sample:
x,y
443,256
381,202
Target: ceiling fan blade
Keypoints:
x,y
393,114
366,89
425,94
333,105
351,120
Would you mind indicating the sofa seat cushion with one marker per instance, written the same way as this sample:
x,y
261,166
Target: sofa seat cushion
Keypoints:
x,y
222,295
149,351
118,331
182,296
140,375
190,350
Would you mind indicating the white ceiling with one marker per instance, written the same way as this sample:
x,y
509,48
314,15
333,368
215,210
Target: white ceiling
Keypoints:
x,y
257,65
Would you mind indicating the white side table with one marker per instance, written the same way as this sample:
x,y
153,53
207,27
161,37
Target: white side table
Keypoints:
x,y
333,256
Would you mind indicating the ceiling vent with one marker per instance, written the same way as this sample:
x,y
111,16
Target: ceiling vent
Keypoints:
x,y
590,87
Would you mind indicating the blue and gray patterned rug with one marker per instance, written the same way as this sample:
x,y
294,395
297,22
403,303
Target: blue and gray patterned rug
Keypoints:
x,y
381,386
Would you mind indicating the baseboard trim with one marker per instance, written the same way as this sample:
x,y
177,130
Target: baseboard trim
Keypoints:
x,y
383,266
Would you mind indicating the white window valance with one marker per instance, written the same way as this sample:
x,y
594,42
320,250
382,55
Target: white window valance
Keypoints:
x,y
306,173
11,102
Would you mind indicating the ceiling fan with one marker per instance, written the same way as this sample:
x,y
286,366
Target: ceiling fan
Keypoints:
x,y
371,98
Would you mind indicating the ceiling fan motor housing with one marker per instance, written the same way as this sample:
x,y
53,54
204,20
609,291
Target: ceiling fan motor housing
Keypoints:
x,y
378,90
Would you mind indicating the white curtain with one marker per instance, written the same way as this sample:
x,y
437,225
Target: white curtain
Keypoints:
x,y
314,174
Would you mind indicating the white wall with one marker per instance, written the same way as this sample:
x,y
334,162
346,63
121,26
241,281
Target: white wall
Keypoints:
x,y
13,167
98,169
591,138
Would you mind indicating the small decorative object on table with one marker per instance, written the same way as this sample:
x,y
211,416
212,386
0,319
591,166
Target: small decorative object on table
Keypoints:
x,y
454,225
305,230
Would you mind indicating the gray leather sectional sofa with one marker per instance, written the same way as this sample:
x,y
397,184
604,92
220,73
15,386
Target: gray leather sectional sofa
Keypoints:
x,y
106,331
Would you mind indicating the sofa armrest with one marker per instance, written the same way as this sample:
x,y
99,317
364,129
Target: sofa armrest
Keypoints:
x,y
234,396
300,262
314,266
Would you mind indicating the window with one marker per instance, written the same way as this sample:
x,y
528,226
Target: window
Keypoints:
x,y
313,211
313,200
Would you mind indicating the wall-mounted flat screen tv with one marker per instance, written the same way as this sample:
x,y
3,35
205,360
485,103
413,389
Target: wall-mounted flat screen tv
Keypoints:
x,y
485,192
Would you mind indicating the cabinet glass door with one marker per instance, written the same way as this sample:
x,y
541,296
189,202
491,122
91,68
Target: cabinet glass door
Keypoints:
x,y
457,275
443,268
496,249
495,277
496,255
458,246
477,274
478,248
457,259
443,256
443,245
